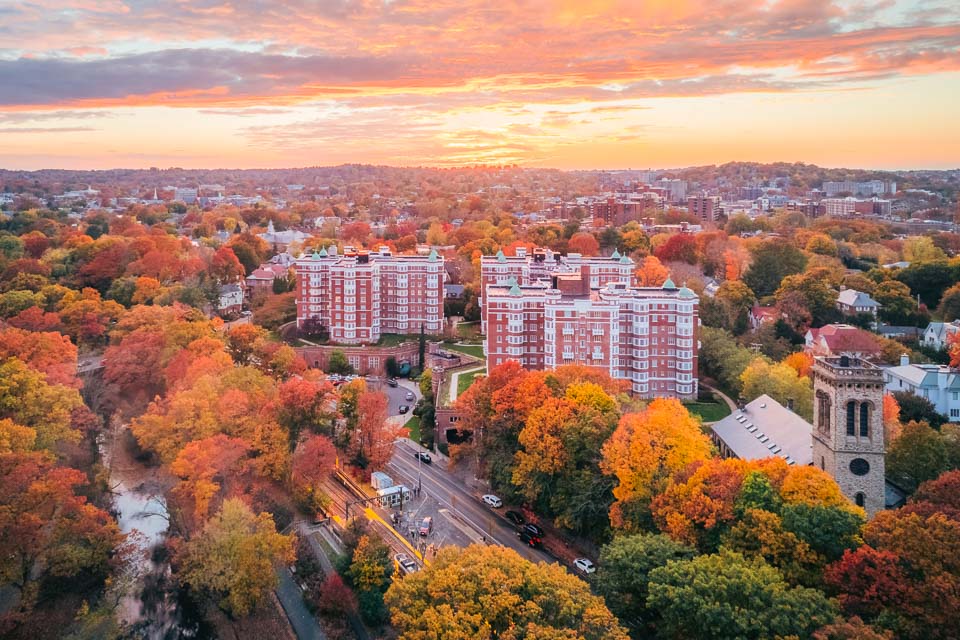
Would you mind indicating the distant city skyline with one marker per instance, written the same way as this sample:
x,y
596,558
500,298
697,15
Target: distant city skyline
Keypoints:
x,y
565,84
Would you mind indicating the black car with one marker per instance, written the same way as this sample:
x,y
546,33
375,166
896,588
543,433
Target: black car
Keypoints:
x,y
515,517
404,408
424,457
533,530
532,540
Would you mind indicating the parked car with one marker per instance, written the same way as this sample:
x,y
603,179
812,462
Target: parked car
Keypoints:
x,y
426,526
405,564
584,566
424,457
534,529
532,540
410,396
403,408
392,382
493,501
515,517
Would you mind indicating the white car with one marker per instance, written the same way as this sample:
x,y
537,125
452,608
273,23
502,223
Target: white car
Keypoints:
x,y
584,566
493,501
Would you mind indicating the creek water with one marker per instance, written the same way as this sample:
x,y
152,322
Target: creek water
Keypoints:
x,y
151,606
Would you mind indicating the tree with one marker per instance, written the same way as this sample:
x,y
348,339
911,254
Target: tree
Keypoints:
x,y
897,306
583,243
949,305
680,247
52,354
200,464
772,261
369,573
313,461
376,433
801,362
225,266
492,592
235,558
46,529
28,400
761,534
728,596
306,405
644,452
627,563
852,629
557,466
814,288
651,272
921,249
929,280
921,454
337,363
723,359
781,382
914,408
735,300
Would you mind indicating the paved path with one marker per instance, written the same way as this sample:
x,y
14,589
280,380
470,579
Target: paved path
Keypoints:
x,y
300,617
455,382
358,629
726,398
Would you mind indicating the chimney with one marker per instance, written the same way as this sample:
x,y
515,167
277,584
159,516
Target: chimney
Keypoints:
x,y
904,359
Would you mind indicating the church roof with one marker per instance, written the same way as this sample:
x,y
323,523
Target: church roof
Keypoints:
x,y
765,428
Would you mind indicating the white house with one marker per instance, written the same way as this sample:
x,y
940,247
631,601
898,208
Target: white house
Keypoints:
x,y
852,302
231,298
937,333
937,383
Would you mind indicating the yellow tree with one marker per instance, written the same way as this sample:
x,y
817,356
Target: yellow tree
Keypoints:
x,y
781,382
643,453
235,558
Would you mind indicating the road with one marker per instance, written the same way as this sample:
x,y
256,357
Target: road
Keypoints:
x,y
475,521
301,619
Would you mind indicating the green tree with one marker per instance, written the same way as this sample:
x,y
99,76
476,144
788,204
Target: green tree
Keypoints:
x,y
723,359
773,260
491,592
930,279
897,306
920,453
338,363
917,408
235,558
626,564
781,382
726,596
950,304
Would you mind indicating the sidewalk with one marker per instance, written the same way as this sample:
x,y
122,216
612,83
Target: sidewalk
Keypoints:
x,y
291,598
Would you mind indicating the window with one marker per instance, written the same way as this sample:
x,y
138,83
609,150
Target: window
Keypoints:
x,y
860,499
851,418
859,467
864,419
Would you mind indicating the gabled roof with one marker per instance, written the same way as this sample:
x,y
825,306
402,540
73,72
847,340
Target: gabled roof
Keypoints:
x,y
765,428
854,298
841,338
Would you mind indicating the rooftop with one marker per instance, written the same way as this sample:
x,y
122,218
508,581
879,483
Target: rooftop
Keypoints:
x,y
765,428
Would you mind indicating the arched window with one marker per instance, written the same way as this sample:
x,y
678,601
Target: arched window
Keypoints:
x,y
860,499
851,418
823,412
864,419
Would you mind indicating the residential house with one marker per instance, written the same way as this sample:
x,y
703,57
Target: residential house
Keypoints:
x,y
837,339
937,383
937,334
261,279
851,302
760,315
231,299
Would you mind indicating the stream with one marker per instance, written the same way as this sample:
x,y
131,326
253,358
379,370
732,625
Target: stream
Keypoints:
x,y
150,606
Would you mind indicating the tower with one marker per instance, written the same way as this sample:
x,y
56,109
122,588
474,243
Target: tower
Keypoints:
x,y
848,427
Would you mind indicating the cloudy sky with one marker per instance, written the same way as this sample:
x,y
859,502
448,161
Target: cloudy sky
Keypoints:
x,y
569,83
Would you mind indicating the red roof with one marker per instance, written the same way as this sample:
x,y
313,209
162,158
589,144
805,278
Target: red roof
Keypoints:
x,y
842,337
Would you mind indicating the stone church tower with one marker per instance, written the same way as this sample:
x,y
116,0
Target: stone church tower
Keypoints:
x,y
848,428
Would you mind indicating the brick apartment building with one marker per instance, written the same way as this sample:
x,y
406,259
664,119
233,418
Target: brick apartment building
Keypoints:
x,y
539,265
705,208
647,336
360,295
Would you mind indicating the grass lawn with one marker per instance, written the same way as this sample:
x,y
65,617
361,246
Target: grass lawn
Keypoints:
x,y
708,411
469,331
475,350
466,379
413,424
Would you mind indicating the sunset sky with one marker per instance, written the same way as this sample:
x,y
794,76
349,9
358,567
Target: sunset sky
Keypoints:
x,y
568,84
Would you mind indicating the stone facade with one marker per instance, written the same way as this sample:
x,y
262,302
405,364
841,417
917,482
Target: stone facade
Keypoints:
x,y
364,360
848,427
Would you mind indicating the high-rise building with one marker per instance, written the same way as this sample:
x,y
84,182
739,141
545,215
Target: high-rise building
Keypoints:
x,y
358,296
848,427
706,208
646,336
540,264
